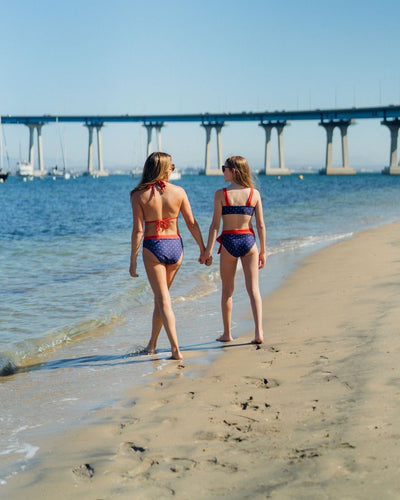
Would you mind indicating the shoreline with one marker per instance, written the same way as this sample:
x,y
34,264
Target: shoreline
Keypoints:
x,y
311,413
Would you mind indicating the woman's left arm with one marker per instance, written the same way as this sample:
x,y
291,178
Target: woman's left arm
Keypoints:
x,y
191,222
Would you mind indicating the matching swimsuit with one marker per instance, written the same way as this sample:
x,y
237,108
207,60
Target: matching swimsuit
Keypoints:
x,y
238,242
167,248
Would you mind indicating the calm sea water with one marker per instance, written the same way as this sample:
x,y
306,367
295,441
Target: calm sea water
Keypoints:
x,y
72,319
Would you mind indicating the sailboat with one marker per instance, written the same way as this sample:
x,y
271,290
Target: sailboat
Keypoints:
x,y
3,175
55,172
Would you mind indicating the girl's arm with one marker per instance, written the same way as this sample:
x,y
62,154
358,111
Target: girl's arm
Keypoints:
x,y
214,226
137,234
261,232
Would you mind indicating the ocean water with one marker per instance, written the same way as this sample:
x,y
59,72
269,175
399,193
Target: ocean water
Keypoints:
x,y
72,319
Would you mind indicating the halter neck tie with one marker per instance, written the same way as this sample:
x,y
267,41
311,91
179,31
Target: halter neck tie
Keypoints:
x,y
161,184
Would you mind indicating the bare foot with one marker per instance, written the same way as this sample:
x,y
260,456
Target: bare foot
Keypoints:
x,y
150,349
257,341
176,354
224,338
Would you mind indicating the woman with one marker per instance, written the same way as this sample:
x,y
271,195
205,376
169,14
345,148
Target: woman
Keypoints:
x,y
236,205
156,205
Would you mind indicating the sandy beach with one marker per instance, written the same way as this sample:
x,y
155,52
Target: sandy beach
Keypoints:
x,y
312,413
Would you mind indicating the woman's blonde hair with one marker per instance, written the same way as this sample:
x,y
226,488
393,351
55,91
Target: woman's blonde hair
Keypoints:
x,y
241,170
155,169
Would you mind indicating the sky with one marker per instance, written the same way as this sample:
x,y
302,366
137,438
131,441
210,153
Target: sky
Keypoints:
x,y
94,57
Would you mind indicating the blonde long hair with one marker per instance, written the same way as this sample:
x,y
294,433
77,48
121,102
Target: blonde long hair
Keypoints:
x,y
241,171
155,169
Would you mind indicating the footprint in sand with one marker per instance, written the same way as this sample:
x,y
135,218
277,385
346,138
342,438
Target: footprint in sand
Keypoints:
x,y
207,436
130,448
249,404
263,383
83,471
212,463
176,465
123,425
305,453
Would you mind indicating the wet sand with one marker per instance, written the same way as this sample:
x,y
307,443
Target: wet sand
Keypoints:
x,y
312,413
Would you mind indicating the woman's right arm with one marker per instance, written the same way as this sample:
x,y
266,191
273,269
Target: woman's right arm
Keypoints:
x,y
137,234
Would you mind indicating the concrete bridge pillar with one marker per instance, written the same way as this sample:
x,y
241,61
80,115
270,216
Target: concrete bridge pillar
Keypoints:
x,y
207,166
149,128
100,172
393,126
40,148
267,157
218,129
345,169
90,150
158,130
31,153
100,150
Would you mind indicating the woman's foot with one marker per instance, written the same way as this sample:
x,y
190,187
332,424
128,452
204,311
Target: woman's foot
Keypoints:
x,y
176,354
257,340
150,349
225,338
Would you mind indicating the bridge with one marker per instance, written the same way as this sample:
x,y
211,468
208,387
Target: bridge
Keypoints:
x,y
329,119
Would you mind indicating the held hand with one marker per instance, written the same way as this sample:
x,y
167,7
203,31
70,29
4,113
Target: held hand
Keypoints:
x,y
203,257
208,261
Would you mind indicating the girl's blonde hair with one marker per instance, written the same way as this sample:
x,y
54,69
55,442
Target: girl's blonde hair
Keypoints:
x,y
241,170
155,169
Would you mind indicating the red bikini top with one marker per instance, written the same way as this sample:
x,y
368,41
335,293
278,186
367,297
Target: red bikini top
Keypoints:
x,y
162,224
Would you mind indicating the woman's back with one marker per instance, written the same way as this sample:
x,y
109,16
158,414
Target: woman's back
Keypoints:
x,y
161,207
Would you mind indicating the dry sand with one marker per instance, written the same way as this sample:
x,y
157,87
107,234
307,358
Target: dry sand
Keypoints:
x,y
312,413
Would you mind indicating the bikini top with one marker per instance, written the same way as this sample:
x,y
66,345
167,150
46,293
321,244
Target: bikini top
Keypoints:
x,y
162,224
229,209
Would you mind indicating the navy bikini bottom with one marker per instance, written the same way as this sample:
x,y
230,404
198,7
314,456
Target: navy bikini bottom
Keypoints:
x,y
167,250
237,242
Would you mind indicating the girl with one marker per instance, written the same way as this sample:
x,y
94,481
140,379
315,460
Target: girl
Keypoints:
x,y
236,205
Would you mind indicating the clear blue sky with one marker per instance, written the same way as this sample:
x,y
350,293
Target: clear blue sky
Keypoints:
x,y
182,56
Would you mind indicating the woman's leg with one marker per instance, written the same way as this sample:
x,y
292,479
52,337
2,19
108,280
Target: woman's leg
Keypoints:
x,y
160,277
251,272
227,269
157,320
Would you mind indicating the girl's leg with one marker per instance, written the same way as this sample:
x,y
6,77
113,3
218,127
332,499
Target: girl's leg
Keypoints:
x,y
227,268
160,277
250,269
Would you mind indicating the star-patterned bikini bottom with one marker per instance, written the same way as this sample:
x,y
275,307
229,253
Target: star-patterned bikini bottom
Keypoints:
x,y
238,242
167,249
